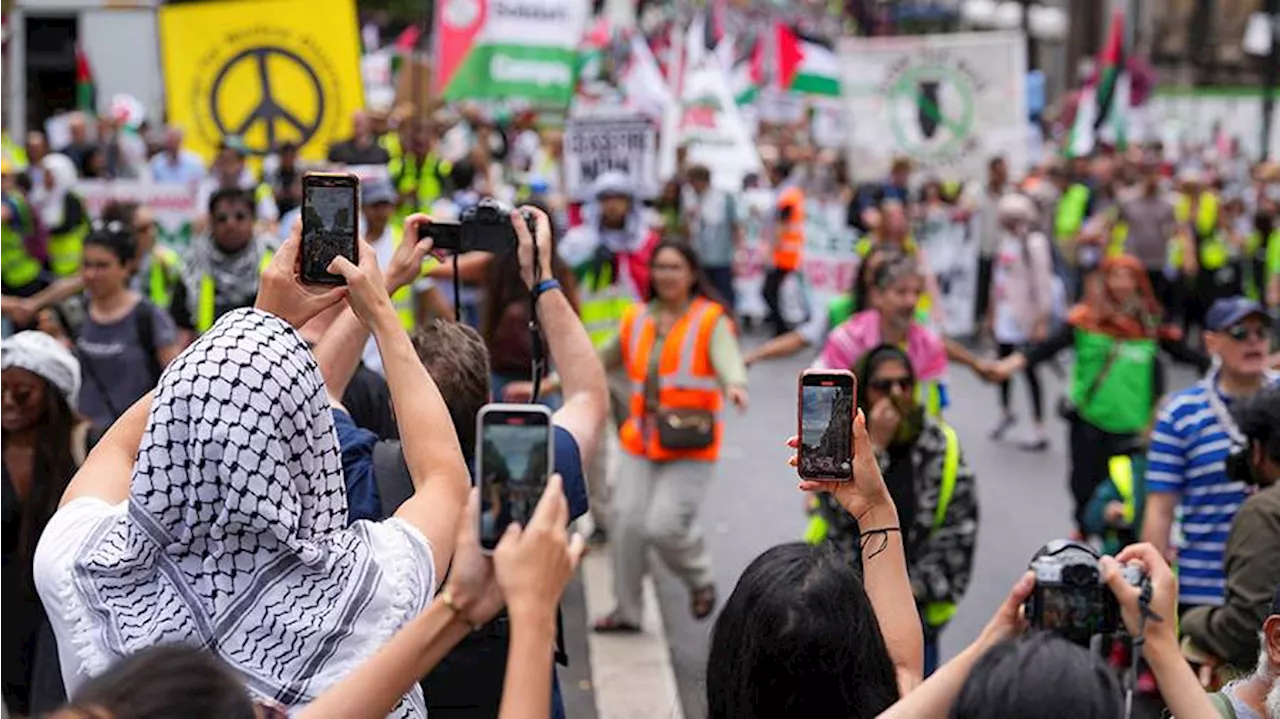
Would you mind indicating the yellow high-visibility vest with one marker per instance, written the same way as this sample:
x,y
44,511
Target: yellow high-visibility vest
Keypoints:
x,y
66,250
166,270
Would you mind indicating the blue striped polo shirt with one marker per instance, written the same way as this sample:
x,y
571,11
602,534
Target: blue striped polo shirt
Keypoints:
x,y
1189,448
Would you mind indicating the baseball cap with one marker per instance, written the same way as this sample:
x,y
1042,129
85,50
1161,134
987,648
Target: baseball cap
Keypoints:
x,y
1231,310
371,193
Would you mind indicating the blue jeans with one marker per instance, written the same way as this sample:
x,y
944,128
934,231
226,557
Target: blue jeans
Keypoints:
x,y
722,279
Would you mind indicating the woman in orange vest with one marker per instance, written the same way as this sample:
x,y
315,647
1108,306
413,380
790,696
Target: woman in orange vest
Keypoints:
x,y
681,353
788,244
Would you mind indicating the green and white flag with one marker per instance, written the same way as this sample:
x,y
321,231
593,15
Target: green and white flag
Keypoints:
x,y
505,49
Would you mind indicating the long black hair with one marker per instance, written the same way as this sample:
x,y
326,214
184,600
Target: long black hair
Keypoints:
x,y
799,638
170,680
51,470
701,285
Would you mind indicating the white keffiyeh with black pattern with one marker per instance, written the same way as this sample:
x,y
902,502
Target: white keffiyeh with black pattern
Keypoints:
x,y
236,535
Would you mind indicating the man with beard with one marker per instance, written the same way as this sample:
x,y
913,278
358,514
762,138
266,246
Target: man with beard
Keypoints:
x,y
1257,697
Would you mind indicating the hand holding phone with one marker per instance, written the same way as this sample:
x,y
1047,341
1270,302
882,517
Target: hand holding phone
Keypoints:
x,y
515,454
330,216
826,408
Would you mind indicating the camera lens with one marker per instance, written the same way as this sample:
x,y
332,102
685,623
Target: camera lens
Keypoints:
x,y
1080,575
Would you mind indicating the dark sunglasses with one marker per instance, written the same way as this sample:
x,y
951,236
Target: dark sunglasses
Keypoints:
x,y
222,217
887,384
1240,333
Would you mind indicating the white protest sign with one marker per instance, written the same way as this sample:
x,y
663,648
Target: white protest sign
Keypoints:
x,y
173,205
711,127
947,102
596,145
951,249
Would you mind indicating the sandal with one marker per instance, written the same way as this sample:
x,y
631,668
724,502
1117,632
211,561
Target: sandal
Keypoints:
x,y
614,624
703,601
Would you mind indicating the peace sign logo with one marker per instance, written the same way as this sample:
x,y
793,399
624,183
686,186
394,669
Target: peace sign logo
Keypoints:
x,y
274,115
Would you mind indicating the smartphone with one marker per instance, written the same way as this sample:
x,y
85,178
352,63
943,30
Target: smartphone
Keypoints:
x,y
826,405
330,215
515,456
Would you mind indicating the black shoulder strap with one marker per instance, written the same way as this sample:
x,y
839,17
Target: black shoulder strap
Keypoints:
x,y
391,472
147,336
1112,355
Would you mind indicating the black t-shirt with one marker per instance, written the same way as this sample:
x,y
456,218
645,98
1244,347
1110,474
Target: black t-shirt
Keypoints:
x,y
368,401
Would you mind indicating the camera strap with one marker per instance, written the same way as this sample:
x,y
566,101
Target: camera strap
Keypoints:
x,y
457,291
1135,659
535,329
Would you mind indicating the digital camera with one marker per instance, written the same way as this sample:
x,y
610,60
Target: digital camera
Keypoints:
x,y
1070,598
483,227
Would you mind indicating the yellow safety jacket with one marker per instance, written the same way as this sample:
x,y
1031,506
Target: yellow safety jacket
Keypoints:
x,y
165,273
1206,221
66,250
206,302
17,267
935,613
424,181
1070,215
15,155
604,301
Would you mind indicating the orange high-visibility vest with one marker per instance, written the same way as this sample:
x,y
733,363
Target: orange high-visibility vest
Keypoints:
x,y
686,377
786,252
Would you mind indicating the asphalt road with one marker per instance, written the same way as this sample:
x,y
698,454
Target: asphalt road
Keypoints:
x,y
754,504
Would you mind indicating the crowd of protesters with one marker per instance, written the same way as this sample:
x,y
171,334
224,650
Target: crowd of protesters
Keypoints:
x,y
230,493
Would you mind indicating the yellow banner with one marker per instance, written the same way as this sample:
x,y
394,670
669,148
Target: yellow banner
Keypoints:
x,y
270,71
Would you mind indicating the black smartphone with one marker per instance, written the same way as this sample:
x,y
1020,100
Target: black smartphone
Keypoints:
x,y
515,455
826,405
330,215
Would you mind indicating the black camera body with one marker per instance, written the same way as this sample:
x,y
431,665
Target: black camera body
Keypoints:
x,y
484,227
1070,597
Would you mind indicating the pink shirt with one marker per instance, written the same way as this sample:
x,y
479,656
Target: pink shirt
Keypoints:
x,y
860,334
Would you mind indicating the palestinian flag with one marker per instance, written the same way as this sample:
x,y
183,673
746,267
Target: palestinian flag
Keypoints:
x,y
805,65
85,91
1104,101
746,77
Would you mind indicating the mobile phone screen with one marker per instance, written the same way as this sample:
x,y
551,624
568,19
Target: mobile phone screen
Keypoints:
x,y
826,424
328,228
514,460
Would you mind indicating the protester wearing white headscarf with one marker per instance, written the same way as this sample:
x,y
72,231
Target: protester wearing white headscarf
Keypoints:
x,y
50,197
41,354
235,535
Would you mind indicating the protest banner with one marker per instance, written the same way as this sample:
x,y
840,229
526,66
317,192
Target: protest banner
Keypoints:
x,y
951,250
503,49
947,102
594,145
271,72
709,124
174,205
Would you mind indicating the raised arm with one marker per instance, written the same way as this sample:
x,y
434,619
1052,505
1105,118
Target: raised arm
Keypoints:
x,y
582,378
338,352
431,450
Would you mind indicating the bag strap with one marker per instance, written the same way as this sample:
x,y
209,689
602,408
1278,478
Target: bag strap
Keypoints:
x,y
1112,355
86,363
145,324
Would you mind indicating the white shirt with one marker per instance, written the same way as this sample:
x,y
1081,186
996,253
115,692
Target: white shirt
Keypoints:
x,y
187,168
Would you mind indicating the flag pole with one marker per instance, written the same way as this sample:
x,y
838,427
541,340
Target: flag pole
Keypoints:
x,y
1272,75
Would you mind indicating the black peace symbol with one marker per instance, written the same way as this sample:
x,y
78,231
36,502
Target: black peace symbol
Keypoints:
x,y
268,112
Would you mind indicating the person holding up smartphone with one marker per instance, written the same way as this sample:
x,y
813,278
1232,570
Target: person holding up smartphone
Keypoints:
x,y
931,486
682,357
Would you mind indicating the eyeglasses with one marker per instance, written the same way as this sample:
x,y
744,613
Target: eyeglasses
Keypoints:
x,y
115,227
1240,333
887,384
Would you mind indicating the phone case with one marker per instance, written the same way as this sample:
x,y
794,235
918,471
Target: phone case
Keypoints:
x,y
479,448
853,392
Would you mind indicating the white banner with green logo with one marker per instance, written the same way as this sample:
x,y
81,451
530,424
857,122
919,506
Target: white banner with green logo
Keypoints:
x,y
504,49
947,102
172,204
